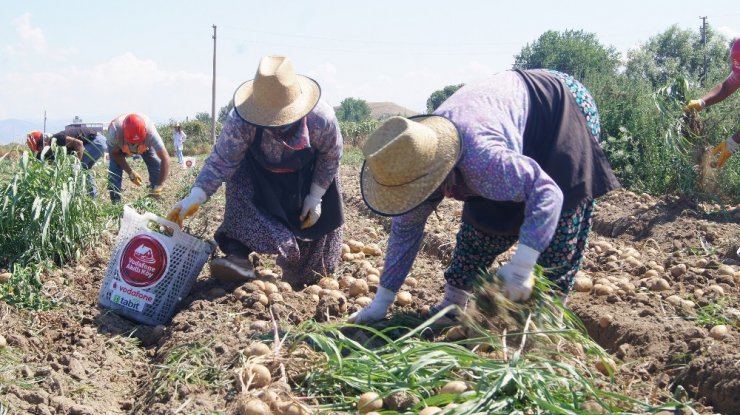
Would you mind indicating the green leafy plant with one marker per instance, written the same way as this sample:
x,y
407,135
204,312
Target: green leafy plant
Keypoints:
x,y
45,212
25,289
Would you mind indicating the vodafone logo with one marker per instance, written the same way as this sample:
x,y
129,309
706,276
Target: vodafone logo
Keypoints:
x,y
189,163
143,261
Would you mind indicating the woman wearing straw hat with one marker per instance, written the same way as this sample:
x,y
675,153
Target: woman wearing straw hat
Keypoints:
x,y
279,154
520,148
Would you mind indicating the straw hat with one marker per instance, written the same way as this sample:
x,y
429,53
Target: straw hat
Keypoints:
x,y
406,160
276,96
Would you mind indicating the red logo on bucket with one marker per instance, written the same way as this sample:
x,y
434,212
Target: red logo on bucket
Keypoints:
x,y
143,261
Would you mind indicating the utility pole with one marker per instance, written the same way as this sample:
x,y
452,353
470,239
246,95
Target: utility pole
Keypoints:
x,y
213,91
703,29
44,120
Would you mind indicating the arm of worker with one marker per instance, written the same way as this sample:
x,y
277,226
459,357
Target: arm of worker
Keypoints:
x,y
719,93
75,145
164,168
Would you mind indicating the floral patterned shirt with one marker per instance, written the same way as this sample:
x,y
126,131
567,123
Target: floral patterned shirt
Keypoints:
x,y
490,116
318,129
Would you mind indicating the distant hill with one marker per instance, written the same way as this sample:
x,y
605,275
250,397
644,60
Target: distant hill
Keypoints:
x,y
12,130
381,110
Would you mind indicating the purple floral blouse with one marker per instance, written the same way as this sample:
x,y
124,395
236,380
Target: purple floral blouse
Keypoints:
x,y
491,116
319,129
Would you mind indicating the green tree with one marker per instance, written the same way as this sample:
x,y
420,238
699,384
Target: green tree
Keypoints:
x,y
203,117
224,111
439,96
574,52
353,109
677,52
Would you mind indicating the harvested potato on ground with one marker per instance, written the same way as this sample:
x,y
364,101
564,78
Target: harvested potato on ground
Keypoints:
x,y
270,288
372,250
368,402
358,288
291,408
403,298
430,410
606,367
355,246
256,376
329,283
363,301
345,249
312,290
253,407
258,349
411,282
454,386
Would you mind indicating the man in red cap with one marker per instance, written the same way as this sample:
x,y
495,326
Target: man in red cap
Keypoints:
x,y
717,94
135,134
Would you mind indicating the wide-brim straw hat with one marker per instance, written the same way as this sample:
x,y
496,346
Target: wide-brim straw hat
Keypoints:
x,y
277,95
406,160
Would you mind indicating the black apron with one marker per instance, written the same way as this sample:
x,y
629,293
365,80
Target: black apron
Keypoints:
x,y
281,195
558,138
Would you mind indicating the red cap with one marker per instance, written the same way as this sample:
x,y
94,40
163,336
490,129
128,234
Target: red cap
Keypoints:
x,y
34,141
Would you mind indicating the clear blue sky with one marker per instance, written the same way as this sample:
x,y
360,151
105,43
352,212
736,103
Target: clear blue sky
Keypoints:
x,y
97,59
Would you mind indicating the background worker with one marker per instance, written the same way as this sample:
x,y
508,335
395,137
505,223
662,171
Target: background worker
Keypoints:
x,y
719,93
178,139
135,134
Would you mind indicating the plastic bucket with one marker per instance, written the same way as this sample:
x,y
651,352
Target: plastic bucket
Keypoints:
x,y
152,268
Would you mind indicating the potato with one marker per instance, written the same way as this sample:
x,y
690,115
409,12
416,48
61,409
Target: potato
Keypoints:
x,y
253,407
258,349
355,246
264,300
719,332
291,408
5,277
368,402
256,376
285,287
456,333
373,279
312,290
411,282
329,283
363,301
347,257
371,250
275,298
372,233
403,298
454,386
270,288
358,288
345,249
606,367
240,294
430,410
345,281
260,284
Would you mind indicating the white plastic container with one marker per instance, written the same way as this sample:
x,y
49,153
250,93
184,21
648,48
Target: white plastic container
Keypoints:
x,y
152,268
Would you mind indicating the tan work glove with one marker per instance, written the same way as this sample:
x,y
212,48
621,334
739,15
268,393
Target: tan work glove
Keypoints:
x,y
187,206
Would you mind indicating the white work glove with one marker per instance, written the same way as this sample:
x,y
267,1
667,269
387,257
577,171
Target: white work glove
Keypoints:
x,y
187,206
312,206
377,308
517,274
